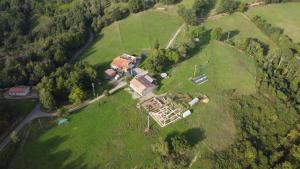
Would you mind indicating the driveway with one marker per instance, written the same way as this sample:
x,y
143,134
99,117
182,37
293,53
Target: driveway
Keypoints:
x,y
34,114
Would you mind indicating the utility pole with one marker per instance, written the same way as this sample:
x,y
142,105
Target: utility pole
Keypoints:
x,y
148,124
228,35
195,69
93,85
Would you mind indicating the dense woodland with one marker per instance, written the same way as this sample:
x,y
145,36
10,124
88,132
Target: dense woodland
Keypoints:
x,y
38,36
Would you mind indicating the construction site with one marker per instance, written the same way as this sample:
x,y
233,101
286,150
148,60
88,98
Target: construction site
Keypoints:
x,y
163,110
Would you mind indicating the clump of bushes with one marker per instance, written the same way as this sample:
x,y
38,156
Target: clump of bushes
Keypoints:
x,y
193,15
161,59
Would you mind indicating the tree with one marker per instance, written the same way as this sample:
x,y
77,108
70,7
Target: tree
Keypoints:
x,y
179,145
202,7
77,95
156,61
229,6
156,44
63,112
295,153
169,2
161,148
135,5
46,99
217,33
14,137
242,7
188,15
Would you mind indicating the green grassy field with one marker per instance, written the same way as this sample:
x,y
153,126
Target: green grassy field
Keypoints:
x,y
284,15
132,35
227,69
239,27
107,134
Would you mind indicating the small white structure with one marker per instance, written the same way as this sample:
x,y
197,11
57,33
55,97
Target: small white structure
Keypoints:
x,y
186,113
194,102
164,75
19,91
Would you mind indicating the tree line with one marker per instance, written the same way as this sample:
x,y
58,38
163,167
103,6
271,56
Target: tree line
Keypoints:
x,y
268,121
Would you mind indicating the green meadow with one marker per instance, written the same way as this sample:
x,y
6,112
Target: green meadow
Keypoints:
x,y
281,15
110,133
134,35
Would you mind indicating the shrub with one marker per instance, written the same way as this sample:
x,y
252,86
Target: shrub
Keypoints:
x,y
228,6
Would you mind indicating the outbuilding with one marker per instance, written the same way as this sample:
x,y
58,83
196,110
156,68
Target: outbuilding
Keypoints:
x,y
19,91
110,73
194,102
143,84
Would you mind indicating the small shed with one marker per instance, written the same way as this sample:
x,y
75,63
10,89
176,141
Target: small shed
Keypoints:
x,y
110,73
186,113
194,102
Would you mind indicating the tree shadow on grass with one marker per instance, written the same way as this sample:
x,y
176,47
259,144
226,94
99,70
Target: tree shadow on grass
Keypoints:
x,y
193,136
48,154
91,49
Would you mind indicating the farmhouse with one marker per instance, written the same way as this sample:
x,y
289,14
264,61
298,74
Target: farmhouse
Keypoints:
x,y
19,91
124,63
143,84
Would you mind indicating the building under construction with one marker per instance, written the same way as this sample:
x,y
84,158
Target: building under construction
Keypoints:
x,y
163,110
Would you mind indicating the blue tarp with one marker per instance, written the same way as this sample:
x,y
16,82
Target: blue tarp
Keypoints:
x,y
62,121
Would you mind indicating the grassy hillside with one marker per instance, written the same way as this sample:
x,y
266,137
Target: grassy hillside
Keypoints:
x,y
282,15
107,134
226,69
110,134
238,25
132,35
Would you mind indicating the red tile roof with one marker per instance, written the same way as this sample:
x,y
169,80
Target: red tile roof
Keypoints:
x,y
20,89
121,63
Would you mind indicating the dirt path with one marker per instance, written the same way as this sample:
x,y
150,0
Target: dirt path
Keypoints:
x,y
35,114
175,36
82,49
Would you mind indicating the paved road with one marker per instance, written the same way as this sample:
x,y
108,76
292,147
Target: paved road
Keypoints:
x,y
35,114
